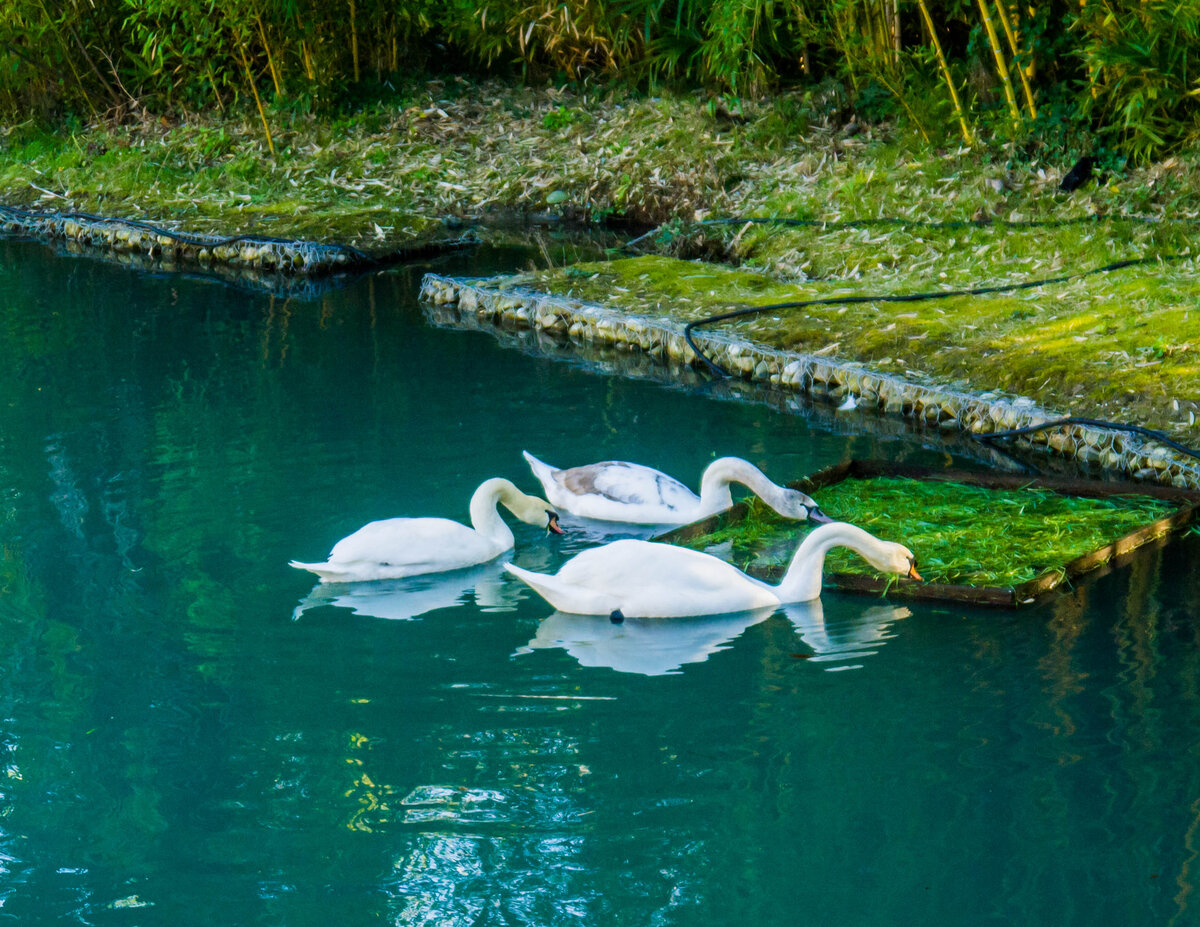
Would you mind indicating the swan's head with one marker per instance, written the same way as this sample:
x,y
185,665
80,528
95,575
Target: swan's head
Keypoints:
x,y
533,511
890,557
794,504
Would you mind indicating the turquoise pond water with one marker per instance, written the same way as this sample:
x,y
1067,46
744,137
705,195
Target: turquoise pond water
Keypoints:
x,y
193,734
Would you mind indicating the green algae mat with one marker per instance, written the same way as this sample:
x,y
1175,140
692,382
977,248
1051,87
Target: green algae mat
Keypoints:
x,y
987,539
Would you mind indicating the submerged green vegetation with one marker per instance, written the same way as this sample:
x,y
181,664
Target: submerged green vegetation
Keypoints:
x,y
960,534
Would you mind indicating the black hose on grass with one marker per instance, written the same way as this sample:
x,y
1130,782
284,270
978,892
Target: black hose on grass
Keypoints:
x,y
719,371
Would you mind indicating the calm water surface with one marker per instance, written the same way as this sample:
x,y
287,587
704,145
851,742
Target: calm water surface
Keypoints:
x,y
193,734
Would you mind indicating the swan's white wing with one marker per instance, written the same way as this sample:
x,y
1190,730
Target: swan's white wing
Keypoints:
x,y
399,547
653,580
627,483
405,540
578,600
619,491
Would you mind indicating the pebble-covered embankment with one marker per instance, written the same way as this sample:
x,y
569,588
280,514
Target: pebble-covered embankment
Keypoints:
x,y
822,378
252,252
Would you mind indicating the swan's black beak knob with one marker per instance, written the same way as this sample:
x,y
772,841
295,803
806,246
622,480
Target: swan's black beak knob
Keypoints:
x,y
552,524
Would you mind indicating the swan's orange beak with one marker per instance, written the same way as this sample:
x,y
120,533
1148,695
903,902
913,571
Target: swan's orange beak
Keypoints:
x,y
913,574
552,524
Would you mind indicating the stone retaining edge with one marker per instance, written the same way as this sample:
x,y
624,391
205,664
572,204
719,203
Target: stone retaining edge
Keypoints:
x,y
822,378
262,254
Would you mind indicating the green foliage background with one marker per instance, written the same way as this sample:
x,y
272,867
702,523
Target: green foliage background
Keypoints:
x,y
1122,70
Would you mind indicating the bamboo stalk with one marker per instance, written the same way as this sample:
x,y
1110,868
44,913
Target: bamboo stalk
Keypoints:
x,y
895,23
92,64
837,22
212,82
262,32
908,109
308,66
354,41
262,113
968,137
1012,44
1001,67
877,16
70,60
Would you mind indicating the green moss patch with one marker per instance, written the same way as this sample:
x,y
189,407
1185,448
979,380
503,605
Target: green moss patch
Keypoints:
x,y
1123,346
960,534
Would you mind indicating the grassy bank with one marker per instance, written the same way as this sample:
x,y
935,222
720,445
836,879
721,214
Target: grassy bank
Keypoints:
x,y
476,150
1121,345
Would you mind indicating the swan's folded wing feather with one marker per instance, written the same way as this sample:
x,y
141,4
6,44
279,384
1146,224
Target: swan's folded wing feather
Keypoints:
x,y
406,541
629,484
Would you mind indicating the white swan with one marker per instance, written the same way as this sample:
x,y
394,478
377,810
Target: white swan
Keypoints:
x,y
645,579
398,547
618,491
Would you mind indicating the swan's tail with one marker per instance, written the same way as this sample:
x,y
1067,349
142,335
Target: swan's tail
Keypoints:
x,y
329,572
575,600
543,471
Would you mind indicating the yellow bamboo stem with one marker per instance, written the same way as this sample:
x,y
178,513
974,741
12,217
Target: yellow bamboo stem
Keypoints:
x,y
262,113
837,22
911,114
270,60
1012,44
354,41
1001,67
894,10
212,82
967,135
308,66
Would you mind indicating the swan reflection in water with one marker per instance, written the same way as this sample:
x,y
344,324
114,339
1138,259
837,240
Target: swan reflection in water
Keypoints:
x,y
405,599
649,646
658,646
846,631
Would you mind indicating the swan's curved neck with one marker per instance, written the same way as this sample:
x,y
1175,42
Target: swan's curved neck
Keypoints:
x,y
715,495
485,518
802,582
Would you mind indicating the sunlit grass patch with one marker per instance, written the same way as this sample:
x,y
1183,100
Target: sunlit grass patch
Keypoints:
x,y
1119,346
